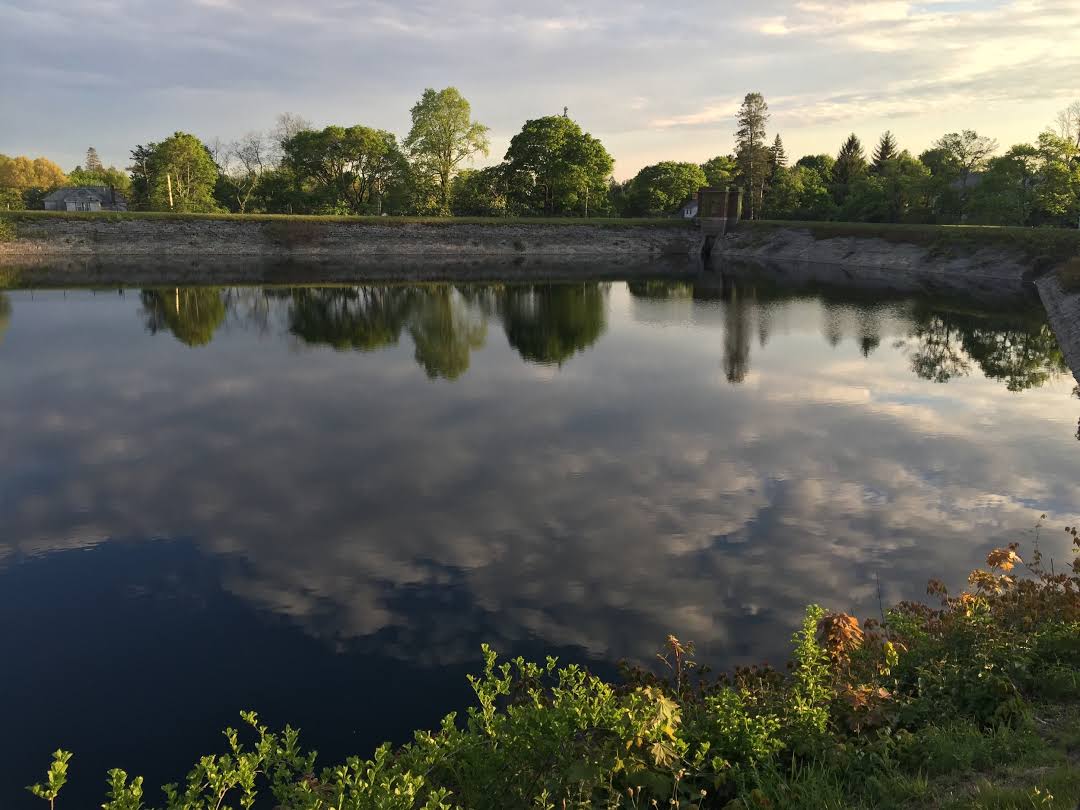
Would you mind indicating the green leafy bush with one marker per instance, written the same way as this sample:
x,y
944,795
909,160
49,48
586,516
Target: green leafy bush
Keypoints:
x,y
7,231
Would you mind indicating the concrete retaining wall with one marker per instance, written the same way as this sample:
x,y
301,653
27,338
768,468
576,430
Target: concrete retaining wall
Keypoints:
x,y
873,263
1063,312
59,238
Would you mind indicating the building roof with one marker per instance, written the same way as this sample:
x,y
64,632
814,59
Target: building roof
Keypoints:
x,y
103,194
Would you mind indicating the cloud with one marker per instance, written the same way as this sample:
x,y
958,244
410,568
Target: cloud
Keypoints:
x,y
825,68
589,508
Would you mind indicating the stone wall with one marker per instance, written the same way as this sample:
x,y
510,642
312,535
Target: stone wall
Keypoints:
x,y
797,255
1063,312
63,238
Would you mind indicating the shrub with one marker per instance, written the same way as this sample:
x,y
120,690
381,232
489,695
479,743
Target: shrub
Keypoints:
x,y
8,232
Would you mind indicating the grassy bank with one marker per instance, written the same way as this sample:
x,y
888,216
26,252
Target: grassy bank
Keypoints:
x,y
1044,247
166,216
973,702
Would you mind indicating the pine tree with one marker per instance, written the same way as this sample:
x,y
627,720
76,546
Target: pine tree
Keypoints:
x,y
850,164
886,151
93,162
777,155
751,153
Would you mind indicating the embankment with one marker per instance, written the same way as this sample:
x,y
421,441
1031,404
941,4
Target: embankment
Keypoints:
x,y
987,262
1063,312
42,237
149,271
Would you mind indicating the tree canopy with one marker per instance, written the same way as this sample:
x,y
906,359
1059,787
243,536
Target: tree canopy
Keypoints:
x,y
556,168
720,170
177,174
349,170
658,190
479,193
22,174
443,135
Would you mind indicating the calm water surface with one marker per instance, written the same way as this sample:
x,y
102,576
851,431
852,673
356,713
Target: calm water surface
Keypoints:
x,y
319,502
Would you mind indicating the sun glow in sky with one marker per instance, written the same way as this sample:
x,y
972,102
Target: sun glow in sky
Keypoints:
x,y
654,81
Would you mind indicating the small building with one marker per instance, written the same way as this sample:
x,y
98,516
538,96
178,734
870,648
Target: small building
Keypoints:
x,y
86,198
689,209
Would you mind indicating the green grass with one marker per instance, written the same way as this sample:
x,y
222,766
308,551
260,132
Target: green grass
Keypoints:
x,y
1046,247
956,767
168,216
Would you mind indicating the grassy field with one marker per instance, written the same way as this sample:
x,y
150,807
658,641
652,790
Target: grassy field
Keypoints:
x,y
167,216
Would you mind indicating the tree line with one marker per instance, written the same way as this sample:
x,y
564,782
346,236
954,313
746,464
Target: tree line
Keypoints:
x,y
555,168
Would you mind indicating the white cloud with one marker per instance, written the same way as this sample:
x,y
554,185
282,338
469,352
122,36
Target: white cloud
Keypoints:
x,y
649,80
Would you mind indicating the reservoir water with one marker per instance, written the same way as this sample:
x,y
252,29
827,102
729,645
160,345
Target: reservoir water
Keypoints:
x,y
318,502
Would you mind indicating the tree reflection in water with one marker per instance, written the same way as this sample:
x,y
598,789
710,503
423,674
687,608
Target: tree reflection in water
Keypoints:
x,y
550,323
1021,352
445,331
5,315
192,314
359,318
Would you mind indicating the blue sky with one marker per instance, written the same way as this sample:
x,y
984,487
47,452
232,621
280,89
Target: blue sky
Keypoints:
x,y
653,80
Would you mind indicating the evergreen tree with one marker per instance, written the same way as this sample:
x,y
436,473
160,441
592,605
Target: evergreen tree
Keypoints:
x,y
850,165
751,153
777,155
886,150
93,162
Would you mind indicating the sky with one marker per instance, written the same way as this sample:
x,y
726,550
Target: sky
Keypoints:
x,y
654,81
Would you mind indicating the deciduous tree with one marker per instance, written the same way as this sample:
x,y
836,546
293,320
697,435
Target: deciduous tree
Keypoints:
x,y
443,135
660,189
350,168
242,164
183,164
479,193
1068,124
720,170
968,153
23,173
556,168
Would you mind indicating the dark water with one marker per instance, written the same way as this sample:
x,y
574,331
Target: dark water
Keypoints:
x,y
319,502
